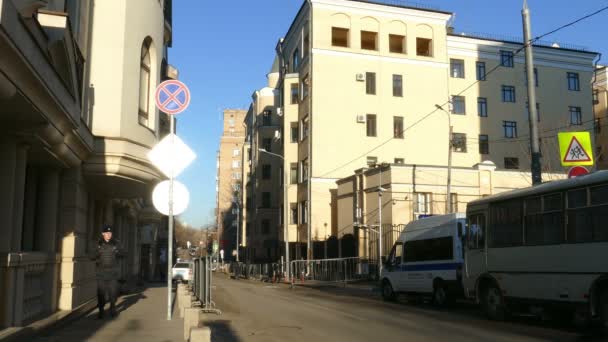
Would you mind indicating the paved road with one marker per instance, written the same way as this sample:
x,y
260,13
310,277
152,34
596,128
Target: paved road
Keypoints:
x,y
255,311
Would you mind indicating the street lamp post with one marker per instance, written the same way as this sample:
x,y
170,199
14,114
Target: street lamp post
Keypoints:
x,y
238,216
380,235
285,223
448,197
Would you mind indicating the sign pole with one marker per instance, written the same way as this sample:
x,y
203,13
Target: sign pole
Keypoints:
x,y
170,237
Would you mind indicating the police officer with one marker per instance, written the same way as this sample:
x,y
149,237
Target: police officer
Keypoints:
x,y
108,270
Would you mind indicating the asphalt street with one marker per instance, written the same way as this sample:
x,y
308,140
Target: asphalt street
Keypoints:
x,y
256,311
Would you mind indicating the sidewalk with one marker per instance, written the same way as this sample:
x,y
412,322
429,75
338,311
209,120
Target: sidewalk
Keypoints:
x,y
142,317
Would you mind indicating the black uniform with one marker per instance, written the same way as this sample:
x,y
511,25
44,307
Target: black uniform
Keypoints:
x,y
108,273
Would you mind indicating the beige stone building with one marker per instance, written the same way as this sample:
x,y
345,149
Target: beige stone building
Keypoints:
x,y
229,180
369,82
78,119
600,106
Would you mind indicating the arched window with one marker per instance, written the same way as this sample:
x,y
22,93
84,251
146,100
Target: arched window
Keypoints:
x,y
144,82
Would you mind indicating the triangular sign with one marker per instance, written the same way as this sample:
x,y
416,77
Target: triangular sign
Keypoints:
x,y
576,152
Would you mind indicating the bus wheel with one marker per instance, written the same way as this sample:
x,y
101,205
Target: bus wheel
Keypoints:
x,y
387,291
440,295
604,313
493,303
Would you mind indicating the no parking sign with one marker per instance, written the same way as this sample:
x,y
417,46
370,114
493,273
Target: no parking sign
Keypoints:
x,y
172,97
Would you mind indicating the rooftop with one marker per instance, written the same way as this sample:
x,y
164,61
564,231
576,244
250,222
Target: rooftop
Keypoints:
x,y
406,4
519,40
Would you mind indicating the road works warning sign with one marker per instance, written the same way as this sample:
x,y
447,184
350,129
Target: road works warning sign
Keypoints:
x,y
575,149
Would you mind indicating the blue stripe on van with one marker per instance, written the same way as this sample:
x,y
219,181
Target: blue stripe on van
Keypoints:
x,y
430,267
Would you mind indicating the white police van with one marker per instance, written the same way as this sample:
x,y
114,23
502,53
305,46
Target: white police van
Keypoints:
x,y
427,260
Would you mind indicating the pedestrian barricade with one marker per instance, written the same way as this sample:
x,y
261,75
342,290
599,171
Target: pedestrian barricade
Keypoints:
x,y
202,283
339,270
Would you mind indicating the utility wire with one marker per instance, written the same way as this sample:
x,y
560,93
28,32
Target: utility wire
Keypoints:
x,y
516,52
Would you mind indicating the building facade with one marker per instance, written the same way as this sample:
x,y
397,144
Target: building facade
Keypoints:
x,y
600,107
78,119
370,82
229,180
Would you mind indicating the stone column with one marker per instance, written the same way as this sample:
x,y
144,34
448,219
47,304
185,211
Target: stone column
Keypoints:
x,y
29,217
20,173
48,206
8,166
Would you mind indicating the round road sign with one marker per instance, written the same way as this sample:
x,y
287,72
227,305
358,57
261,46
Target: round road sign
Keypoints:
x,y
172,97
577,171
160,197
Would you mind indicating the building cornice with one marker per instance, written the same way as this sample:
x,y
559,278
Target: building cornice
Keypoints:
x,y
356,55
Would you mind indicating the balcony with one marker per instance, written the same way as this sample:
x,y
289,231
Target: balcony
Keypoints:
x,y
168,13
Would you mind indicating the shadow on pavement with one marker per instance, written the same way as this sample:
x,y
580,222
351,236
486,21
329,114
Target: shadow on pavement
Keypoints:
x,y
221,330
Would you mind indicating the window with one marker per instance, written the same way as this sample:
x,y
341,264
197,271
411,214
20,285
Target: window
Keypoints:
x,y
544,220
304,170
231,122
294,213
267,118
506,224
236,175
396,255
481,71
266,171
294,132
587,214
399,161
424,47
398,127
293,173
458,105
429,250
456,68
573,82
423,203
339,37
265,227
576,117
236,187
304,212
459,142
476,234
236,152
396,43
506,58
597,127
236,164
537,111
295,61
508,93
484,144
482,107
397,85
304,86
596,96
371,161
304,125
535,77
294,93
371,125
306,44
369,40
265,199
370,83
144,82
267,144
511,163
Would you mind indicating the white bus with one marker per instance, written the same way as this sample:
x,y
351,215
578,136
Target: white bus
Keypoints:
x,y
427,260
540,247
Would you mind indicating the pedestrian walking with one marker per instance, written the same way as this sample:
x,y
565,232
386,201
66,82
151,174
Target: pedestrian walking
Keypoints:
x,y
108,270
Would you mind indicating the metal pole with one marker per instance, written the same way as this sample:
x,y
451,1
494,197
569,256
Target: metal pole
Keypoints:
x,y
285,217
534,143
238,216
449,186
170,237
380,224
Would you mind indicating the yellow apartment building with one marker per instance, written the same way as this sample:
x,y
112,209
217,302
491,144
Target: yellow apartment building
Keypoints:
x,y
363,83
600,106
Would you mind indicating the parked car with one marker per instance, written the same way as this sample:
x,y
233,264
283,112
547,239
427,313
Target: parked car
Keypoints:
x,y
427,260
182,271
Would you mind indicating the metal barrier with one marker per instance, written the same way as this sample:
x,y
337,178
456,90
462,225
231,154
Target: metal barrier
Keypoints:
x,y
202,275
340,270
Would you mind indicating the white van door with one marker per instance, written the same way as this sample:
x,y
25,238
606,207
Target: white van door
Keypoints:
x,y
475,255
392,268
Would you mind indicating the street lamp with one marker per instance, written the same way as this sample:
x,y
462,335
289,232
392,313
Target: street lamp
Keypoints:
x,y
285,224
450,143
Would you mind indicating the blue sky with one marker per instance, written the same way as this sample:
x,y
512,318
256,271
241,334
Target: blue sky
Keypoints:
x,y
223,50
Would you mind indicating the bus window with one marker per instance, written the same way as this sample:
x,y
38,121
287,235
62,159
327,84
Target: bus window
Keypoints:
x,y
476,232
506,224
599,212
587,220
544,223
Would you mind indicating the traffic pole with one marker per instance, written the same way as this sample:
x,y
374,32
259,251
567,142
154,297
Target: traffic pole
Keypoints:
x,y
170,237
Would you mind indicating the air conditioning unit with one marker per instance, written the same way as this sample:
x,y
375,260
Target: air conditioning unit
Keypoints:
x,y
277,136
279,111
361,118
360,77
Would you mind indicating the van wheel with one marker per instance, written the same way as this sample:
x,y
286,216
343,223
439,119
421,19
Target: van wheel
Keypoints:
x,y
493,303
387,291
604,313
440,295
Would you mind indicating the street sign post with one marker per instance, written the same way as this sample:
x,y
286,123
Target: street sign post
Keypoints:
x,y
575,149
171,156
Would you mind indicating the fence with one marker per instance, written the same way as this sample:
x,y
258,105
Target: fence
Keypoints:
x,y
202,276
390,234
340,270
272,272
